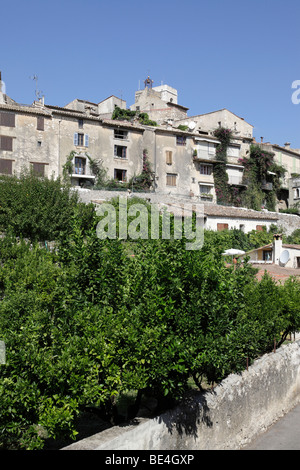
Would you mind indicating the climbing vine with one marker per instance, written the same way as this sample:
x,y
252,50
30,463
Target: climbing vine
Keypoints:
x,y
263,179
144,180
223,192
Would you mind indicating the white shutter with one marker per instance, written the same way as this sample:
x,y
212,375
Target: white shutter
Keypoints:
x,y
86,140
76,139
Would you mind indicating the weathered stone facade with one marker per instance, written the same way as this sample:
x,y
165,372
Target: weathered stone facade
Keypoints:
x,y
43,136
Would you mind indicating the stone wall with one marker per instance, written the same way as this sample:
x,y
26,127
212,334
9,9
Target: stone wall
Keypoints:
x,y
227,418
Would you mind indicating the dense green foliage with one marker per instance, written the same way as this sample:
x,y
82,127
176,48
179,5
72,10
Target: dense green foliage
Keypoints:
x,y
128,115
260,168
87,323
39,208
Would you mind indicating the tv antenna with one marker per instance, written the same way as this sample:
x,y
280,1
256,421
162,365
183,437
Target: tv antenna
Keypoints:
x,y
38,94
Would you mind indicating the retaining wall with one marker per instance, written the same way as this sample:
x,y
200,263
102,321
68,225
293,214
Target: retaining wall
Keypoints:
x,y
229,417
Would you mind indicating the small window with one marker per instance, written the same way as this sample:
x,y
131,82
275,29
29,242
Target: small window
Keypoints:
x,y
6,143
259,228
38,168
180,140
39,143
267,255
169,159
81,140
40,123
6,166
120,134
171,179
222,227
120,175
204,189
120,151
80,123
7,119
205,170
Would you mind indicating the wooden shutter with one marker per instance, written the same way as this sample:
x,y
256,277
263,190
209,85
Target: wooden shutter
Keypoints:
x,y
40,123
6,143
222,227
171,179
259,228
38,169
168,157
76,138
6,166
7,119
86,140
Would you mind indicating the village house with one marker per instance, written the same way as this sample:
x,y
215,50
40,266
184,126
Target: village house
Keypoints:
x,y
281,254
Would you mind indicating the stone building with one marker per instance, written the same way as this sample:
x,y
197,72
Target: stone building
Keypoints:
x,y
181,149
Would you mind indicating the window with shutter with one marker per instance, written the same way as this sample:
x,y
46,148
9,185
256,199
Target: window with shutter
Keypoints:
x,y
6,166
40,123
120,151
38,168
169,157
171,179
222,227
7,119
120,175
6,143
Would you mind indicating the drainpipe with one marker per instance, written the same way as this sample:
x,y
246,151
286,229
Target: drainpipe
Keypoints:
x,y
59,121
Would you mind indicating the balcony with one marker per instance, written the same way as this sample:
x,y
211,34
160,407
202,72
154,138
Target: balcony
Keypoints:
x,y
267,186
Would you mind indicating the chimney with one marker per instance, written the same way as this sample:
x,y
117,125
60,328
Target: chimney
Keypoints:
x,y
261,139
277,247
287,145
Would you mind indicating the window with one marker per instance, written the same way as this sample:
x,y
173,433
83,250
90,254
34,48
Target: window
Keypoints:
x,y
120,151
119,134
171,179
6,143
169,160
180,140
120,175
205,169
79,166
39,143
6,166
7,119
260,228
80,123
38,168
267,255
40,123
222,227
205,189
81,140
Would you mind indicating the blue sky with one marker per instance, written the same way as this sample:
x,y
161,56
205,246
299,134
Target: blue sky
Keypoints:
x,y
235,54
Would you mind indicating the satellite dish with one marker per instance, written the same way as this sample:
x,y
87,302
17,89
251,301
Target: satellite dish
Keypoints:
x,y
284,257
192,125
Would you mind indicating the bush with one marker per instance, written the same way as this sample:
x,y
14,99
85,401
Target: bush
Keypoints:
x,y
39,208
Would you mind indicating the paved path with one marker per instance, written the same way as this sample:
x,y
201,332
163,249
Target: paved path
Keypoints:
x,y
283,435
